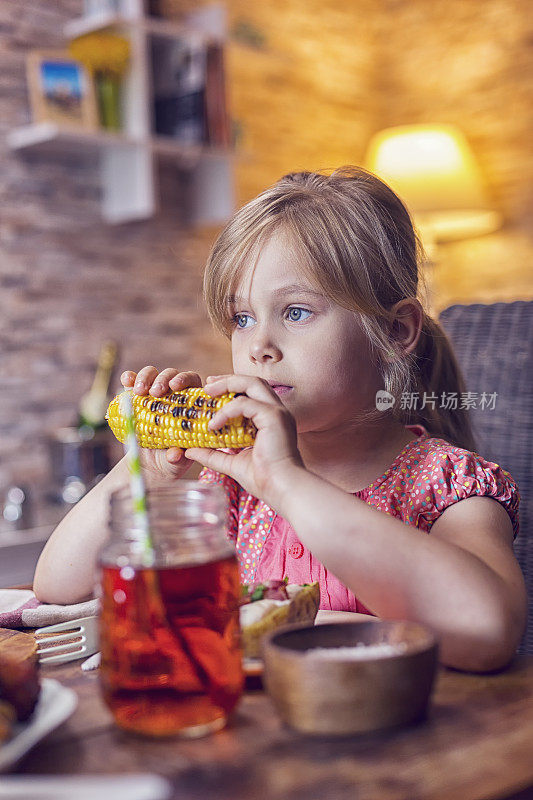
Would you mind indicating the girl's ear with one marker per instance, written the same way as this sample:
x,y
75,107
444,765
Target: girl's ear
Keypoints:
x,y
407,319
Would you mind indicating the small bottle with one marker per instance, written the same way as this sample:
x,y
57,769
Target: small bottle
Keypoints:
x,y
93,404
169,627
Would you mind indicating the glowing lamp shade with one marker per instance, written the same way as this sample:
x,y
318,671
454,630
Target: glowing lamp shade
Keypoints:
x,y
433,170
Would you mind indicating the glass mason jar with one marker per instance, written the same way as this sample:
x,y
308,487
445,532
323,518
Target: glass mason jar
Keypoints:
x,y
169,630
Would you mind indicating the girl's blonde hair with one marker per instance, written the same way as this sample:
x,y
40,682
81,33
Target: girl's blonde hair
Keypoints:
x,y
355,239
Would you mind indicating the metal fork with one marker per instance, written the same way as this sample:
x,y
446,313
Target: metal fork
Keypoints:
x,y
54,649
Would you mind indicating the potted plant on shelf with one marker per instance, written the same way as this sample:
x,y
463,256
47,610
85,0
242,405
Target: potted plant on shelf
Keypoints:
x,y
106,55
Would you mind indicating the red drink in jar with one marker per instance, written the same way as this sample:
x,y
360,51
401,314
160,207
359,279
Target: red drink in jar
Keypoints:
x,y
170,638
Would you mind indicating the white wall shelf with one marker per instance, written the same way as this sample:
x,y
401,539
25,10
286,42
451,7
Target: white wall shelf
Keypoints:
x,y
96,22
151,25
128,158
49,137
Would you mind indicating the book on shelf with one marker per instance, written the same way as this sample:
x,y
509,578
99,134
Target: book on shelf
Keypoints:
x,y
218,128
171,9
189,91
179,78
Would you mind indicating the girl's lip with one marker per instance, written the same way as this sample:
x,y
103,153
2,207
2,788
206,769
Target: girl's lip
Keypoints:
x,y
281,388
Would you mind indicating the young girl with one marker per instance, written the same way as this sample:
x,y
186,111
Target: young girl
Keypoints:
x,y
315,282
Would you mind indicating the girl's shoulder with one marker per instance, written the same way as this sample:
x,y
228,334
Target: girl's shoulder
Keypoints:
x,y
427,476
431,474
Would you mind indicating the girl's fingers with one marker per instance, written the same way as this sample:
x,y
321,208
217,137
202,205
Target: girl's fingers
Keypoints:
x,y
214,380
259,412
145,378
183,380
214,459
256,388
160,385
169,463
150,380
175,455
127,378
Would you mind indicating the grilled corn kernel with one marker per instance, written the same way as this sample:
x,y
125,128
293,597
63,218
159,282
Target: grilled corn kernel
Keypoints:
x,y
180,419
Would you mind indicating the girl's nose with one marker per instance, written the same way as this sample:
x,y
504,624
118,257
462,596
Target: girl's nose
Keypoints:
x,y
263,349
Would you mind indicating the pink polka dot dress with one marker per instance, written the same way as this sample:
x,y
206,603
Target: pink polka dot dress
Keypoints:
x,y
426,477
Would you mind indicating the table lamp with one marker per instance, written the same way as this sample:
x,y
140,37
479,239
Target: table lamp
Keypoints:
x,y
434,171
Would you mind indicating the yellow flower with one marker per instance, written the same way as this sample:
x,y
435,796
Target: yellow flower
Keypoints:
x,y
102,52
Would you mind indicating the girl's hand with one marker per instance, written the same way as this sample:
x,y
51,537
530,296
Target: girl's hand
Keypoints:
x,y
262,470
161,464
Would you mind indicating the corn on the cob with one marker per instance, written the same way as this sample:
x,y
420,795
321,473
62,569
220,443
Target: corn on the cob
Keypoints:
x,y
180,419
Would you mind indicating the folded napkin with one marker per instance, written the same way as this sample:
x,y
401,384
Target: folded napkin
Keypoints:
x,y
19,608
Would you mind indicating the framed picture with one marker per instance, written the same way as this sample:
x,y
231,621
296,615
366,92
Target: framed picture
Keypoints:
x,y
61,90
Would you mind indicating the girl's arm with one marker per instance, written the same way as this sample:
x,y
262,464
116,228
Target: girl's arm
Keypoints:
x,y
65,572
66,569
462,580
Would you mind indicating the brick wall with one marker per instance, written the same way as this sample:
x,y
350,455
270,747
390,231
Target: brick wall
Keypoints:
x,y
68,281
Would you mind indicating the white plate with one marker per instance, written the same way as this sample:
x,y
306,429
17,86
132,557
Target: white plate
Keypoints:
x,y
56,703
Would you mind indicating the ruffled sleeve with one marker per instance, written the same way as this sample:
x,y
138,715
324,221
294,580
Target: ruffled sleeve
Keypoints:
x,y
448,475
231,488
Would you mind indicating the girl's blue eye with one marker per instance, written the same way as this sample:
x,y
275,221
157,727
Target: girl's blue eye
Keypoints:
x,y
241,320
294,314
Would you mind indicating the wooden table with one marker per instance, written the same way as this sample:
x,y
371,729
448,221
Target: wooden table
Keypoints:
x,y
476,744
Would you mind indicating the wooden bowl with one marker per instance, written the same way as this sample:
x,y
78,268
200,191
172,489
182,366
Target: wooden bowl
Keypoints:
x,y
320,694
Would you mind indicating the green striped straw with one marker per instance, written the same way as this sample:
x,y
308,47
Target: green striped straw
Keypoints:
x,y
138,490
